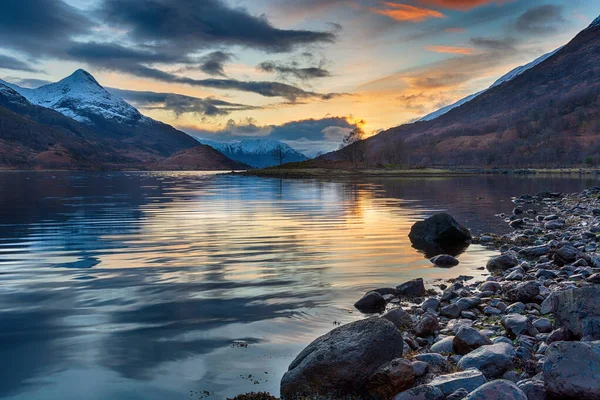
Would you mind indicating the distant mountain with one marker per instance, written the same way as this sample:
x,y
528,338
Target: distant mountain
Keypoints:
x,y
258,153
90,128
545,115
505,78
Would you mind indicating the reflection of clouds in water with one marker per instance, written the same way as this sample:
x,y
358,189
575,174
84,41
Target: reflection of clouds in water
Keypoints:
x,y
132,272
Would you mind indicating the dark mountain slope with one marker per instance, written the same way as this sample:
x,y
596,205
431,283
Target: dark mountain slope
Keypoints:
x,y
548,116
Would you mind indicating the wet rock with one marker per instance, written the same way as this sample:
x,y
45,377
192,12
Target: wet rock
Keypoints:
x,y
517,324
490,286
400,318
450,311
468,339
414,287
423,392
444,261
426,326
468,380
572,370
440,228
340,362
371,303
497,390
391,378
492,360
502,262
432,359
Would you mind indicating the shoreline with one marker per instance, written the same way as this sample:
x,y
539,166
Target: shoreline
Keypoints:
x,y
513,332
276,172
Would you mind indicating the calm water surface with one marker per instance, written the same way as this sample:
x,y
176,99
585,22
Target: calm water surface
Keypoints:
x,y
140,285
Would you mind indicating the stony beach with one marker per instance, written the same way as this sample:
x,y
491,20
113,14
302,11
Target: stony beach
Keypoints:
x,y
531,330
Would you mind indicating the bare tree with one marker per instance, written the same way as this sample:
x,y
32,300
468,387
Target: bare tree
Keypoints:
x,y
279,154
353,147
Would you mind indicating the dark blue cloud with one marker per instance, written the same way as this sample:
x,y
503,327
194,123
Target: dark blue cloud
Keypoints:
x,y
8,62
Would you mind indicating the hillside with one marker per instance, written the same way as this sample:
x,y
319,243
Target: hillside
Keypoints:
x,y
77,124
548,115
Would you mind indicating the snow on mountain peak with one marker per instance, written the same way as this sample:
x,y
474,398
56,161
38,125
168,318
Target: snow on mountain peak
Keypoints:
x,y
594,23
81,97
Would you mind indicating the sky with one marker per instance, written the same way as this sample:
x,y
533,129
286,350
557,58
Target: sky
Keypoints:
x,y
302,71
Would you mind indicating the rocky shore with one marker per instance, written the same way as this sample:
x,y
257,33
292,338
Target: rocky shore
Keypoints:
x,y
531,330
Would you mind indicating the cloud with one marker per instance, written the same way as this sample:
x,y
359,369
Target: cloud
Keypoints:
x,y
8,62
543,19
39,27
188,26
214,63
406,12
452,49
463,5
293,70
179,104
507,43
27,82
455,30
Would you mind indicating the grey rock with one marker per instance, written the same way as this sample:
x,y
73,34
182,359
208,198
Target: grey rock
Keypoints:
x,y
534,389
444,261
524,292
420,368
515,308
491,311
426,326
466,303
439,228
340,362
502,262
371,303
399,317
414,287
497,390
423,392
430,304
565,255
492,360
578,310
468,339
458,395
432,359
554,224
543,325
534,251
490,286
391,378
468,380
517,324
502,339
450,311
572,370
443,346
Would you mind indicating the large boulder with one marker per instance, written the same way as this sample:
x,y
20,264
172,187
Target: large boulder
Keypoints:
x,y
497,390
502,262
423,392
391,378
577,310
566,255
517,324
492,360
426,326
371,303
414,287
439,232
468,339
525,292
534,389
469,380
341,362
572,370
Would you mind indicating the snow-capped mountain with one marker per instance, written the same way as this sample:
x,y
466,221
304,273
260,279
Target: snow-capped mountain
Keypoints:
x,y
505,78
258,153
81,97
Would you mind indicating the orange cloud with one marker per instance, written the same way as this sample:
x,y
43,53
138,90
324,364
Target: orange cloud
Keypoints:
x,y
405,12
463,5
467,51
455,30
